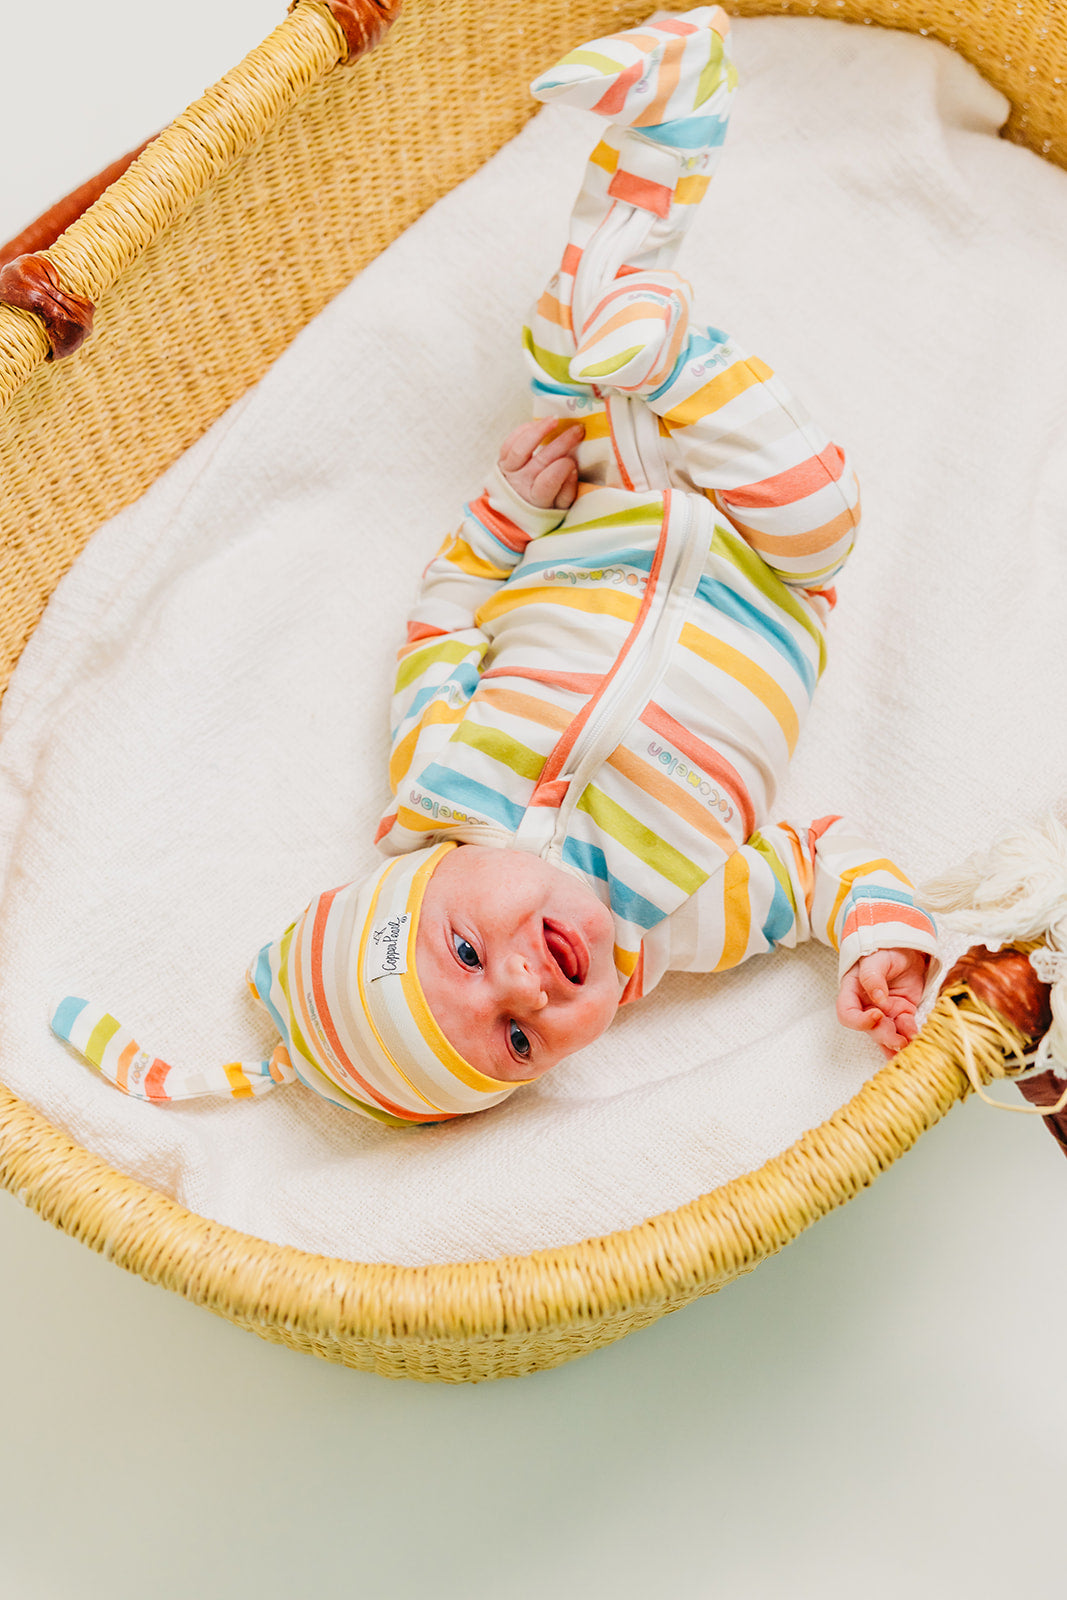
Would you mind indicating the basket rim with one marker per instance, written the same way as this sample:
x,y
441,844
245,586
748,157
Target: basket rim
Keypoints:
x,y
664,1261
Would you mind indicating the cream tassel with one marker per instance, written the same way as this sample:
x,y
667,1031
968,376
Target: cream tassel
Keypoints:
x,y
1017,889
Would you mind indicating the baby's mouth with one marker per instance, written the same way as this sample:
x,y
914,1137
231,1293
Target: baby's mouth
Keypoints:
x,y
567,952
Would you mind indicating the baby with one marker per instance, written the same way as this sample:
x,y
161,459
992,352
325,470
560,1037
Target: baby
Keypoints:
x,y
605,676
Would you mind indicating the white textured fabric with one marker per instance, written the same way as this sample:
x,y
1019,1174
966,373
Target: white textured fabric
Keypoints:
x,y
194,742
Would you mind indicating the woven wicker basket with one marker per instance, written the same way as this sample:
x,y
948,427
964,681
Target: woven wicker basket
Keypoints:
x,y
264,199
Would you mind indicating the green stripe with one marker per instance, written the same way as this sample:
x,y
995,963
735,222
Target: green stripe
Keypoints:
x,y
711,76
501,747
603,368
777,866
619,519
760,575
592,58
647,846
100,1038
415,665
558,367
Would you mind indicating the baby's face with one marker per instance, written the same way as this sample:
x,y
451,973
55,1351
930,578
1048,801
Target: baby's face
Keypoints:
x,y
516,960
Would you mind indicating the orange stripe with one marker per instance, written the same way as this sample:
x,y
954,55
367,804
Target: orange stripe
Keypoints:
x,y
572,255
641,192
384,827
423,630
875,913
805,869
702,755
318,939
794,483
614,97
578,682
672,793
505,530
849,877
123,1066
635,985
799,544
153,1080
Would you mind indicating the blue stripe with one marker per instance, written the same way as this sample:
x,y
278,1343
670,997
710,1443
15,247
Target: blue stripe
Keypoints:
x,y
689,132
455,787
720,597
569,390
66,1015
699,344
264,982
780,918
642,559
869,891
464,675
625,901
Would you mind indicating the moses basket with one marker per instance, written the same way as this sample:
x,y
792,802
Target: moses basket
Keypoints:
x,y
207,211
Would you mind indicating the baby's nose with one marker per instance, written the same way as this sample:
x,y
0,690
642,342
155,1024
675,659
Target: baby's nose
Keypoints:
x,y
524,983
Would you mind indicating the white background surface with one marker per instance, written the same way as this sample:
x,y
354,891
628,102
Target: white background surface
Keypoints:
x,y
879,1411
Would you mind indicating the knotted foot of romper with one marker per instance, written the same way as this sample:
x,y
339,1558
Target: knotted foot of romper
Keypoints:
x,y
635,335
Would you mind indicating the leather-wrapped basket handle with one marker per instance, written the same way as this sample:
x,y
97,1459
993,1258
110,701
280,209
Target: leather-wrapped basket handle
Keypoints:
x,y
1006,982
364,23
32,284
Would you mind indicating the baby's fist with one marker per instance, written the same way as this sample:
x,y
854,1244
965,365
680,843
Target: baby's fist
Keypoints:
x,y
543,474
879,995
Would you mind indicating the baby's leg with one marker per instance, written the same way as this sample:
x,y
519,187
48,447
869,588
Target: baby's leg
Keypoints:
x,y
666,88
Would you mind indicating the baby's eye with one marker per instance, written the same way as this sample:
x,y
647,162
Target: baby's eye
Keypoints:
x,y
519,1042
465,951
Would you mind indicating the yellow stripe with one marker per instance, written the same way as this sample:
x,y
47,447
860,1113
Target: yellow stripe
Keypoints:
x,y
649,847
598,602
714,395
745,672
240,1087
607,158
736,912
463,557
400,760
364,936
690,191
625,960
597,427
100,1038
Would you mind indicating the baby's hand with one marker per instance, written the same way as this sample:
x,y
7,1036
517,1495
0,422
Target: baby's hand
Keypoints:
x,y
544,475
879,995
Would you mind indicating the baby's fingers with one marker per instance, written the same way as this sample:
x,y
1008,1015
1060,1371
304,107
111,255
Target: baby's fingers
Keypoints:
x,y
520,445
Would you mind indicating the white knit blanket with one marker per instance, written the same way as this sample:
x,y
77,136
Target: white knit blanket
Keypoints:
x,y
194,742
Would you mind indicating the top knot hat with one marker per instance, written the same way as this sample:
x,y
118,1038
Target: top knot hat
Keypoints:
x,y
341,988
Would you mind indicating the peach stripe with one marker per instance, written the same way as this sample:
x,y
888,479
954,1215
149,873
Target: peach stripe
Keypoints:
x,y
669,73
797,544
555,311
702,755
526,706
672,793
123,1065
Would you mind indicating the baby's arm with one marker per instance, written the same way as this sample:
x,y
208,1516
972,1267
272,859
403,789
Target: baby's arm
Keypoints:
x,y
439,667
789,884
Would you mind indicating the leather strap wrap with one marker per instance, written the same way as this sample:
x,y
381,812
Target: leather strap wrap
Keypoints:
x,y
32,284
1008,985
364,23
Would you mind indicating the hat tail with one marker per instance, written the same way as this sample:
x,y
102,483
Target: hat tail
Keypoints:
x,y
113,1050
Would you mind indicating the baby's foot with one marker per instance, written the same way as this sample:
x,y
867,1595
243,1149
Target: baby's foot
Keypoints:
x,y
633,338
646,77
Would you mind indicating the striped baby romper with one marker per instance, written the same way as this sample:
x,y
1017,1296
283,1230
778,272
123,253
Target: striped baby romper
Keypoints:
x,y
619,687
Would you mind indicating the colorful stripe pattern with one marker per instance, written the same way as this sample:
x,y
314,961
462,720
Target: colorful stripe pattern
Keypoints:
x,y
553,618
113,1050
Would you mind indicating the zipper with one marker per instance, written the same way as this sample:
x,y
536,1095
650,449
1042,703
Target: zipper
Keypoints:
x,y
689,529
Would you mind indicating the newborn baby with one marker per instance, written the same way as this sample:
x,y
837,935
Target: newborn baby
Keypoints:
x,y
605,676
